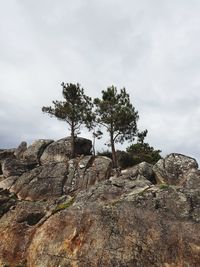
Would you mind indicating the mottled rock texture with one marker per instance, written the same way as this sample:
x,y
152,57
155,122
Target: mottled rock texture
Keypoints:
x,y
6,153
19,152
74,213
60,150
11,167
35,150
174,169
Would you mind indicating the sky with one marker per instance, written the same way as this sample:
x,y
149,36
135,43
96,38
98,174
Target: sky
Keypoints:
x,y
150,47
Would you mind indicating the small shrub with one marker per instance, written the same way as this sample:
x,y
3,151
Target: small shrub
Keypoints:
x,y
164,186
105,153
125,159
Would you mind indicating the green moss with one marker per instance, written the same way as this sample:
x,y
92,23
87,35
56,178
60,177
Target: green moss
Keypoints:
x,y
63,206
164,186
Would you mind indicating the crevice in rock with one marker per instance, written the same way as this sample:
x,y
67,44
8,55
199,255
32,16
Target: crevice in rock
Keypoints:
x,y
90,163
41,151
152,179
1,172
64,181
32,218
7,201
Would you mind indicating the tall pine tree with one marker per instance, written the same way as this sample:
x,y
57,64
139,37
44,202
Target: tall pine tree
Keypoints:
x,y
115,112
75,110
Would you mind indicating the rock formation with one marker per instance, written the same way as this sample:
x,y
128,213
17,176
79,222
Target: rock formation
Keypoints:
x,y
60,212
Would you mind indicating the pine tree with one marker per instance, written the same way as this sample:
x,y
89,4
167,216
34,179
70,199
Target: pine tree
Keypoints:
x,y
115,112
75,110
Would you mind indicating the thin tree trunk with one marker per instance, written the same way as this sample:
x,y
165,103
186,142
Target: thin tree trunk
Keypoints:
x,y
114,156
93,147
72,141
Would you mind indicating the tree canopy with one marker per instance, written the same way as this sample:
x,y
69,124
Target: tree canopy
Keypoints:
x,y
115,112
75,110
140,152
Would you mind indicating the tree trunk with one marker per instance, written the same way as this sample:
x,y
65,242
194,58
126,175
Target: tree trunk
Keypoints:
x,y
93,147
72,142
114,156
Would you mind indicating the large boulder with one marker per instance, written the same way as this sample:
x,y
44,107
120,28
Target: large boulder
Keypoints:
x,y
35,150
86,171
174,168
60,151
43,182
192,180
140,171
6,153
19,151
15,167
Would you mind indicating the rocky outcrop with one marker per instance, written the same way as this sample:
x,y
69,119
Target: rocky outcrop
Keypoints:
x,y
60,151
174,169
86,171
15,167
19,151
113,226
76,213
35,150
6,153
52,180
41,182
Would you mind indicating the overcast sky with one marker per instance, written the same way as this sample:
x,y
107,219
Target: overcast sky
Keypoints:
x,y
151,47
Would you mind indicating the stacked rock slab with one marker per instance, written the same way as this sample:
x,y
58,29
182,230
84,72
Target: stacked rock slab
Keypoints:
x,y
57,175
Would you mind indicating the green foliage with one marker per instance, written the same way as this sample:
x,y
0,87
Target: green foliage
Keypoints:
x,y
143,152
63,206
164,186
75,110
134,154
115,112
124,159
105,153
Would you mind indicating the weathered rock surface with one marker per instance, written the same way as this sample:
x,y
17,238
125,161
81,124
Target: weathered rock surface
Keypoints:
x,y
7,200
6,183
127,231
41,182
19,151
82,216
15,167
174,168
35,150
60,150
6,153
86,171
52,180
